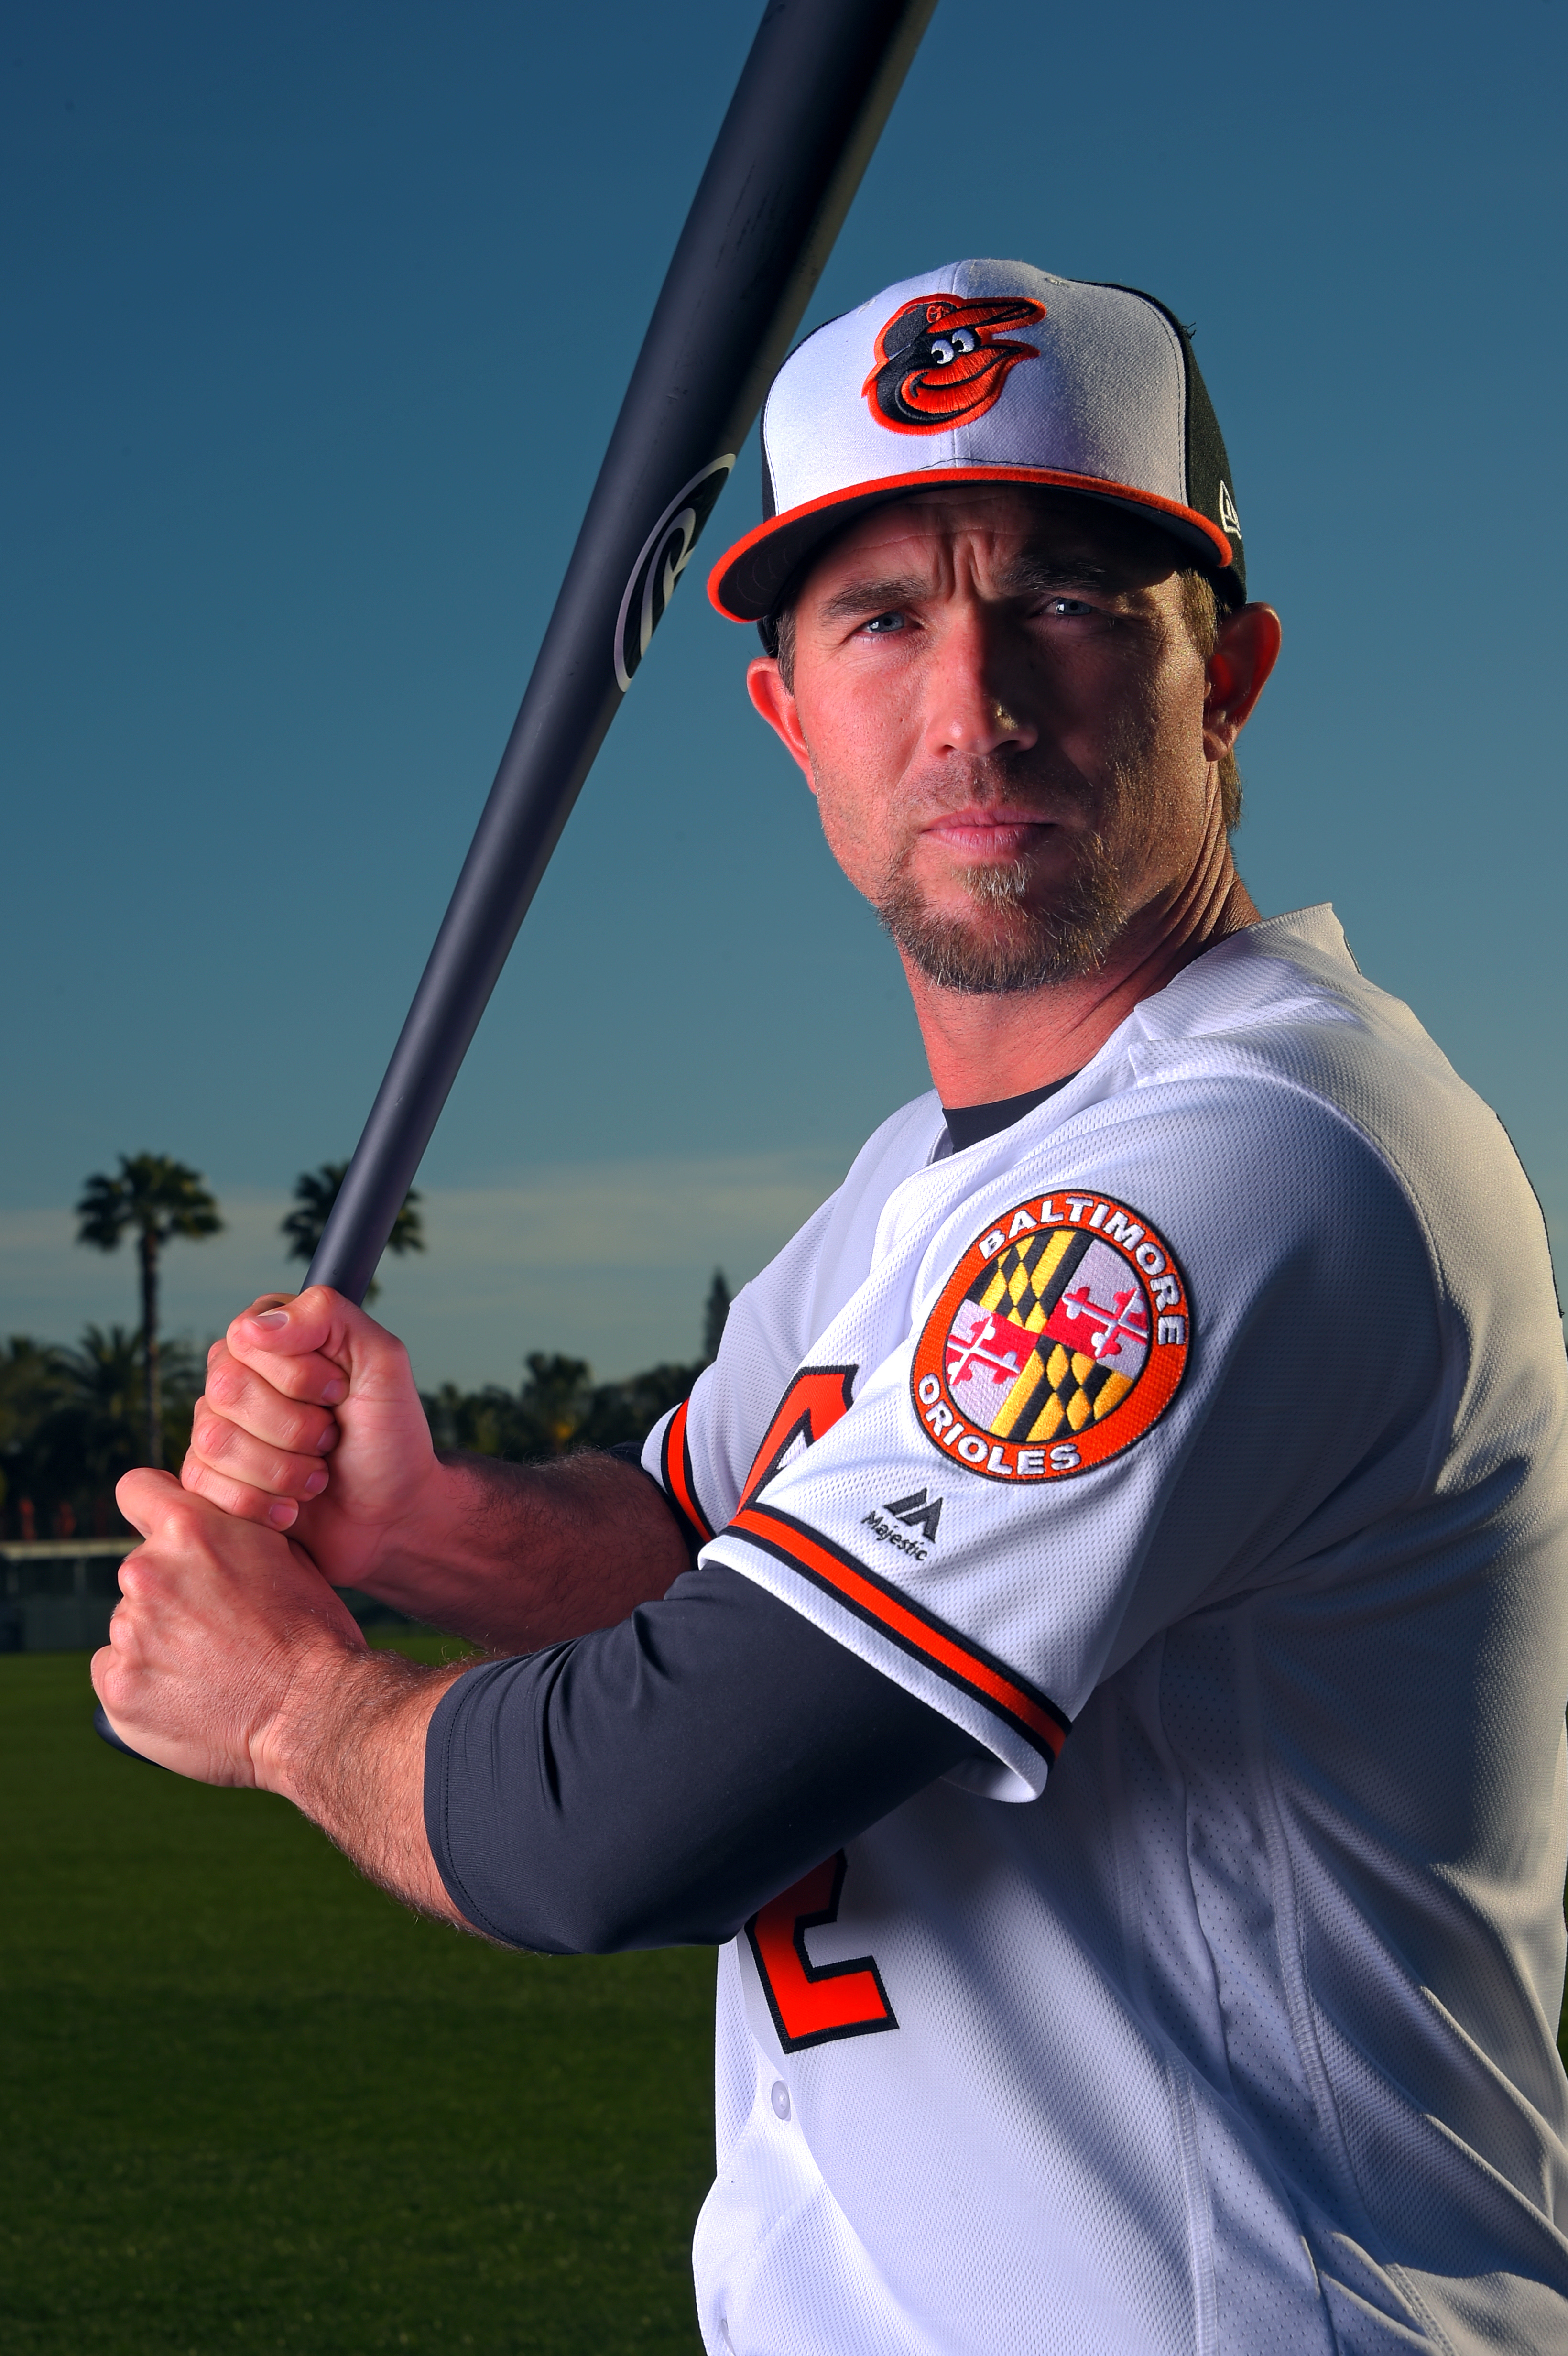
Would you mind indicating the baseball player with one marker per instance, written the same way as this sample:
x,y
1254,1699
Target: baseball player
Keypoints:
x,y
1092,1650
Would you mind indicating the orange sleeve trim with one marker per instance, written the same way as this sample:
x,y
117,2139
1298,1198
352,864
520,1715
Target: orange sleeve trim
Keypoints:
x,y
930,478
954,1657
675,1469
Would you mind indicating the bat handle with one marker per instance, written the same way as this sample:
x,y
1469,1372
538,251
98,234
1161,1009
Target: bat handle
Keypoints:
x,y
106,1733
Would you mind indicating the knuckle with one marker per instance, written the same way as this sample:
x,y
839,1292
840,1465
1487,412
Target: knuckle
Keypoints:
x,y
179,1520
296,1432
134,1576
214,1436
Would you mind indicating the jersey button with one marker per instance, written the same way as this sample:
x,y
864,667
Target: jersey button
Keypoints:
x,y
781,2099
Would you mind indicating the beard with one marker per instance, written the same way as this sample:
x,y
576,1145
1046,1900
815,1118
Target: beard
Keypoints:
x,y
1021,947
1022,934
1010,945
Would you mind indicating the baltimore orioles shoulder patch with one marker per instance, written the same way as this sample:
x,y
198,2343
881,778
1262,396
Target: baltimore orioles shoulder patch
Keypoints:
x,y
1060,1336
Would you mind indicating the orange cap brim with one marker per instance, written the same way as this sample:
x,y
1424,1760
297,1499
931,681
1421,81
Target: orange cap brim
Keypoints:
x,y
749,578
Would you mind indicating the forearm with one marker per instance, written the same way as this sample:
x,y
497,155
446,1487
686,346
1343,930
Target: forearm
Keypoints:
x,y
645,1783
517,1556
648,1786
230,1660
350,1752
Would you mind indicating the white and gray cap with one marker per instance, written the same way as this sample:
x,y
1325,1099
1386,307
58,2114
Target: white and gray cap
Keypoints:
x,y
985,372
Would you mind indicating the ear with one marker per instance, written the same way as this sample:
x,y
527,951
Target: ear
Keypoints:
x,y
1244,653
764,685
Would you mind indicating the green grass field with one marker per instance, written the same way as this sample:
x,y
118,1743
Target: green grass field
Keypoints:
x,y
249,2104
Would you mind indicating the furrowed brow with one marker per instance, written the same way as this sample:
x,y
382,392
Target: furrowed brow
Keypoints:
x,y
862,597
1029,576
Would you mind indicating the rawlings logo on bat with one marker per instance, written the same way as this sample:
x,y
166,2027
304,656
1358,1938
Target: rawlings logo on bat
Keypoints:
x,y
666,553
940,362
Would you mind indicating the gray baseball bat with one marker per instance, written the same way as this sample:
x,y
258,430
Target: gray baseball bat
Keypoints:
x,y
817,88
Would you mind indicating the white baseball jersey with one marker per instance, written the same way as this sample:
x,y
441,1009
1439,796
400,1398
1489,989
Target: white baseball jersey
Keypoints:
x,y
1197,1444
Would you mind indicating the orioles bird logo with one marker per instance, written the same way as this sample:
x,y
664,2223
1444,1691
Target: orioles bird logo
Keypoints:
x,y
939,364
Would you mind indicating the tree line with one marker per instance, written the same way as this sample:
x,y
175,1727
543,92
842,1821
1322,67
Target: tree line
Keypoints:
x,y
74,1421
559,1407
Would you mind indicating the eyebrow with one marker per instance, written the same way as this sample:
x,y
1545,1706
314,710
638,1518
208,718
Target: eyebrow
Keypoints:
x,y
1032,574
1029,576
872,597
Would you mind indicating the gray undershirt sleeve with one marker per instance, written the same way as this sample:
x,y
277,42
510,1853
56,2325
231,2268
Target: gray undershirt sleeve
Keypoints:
x,y
654,1784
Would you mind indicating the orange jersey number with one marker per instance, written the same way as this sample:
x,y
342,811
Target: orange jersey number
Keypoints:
x,y
810,2002
812,1405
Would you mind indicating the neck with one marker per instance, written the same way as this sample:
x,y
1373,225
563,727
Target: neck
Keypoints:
x,y
982,1049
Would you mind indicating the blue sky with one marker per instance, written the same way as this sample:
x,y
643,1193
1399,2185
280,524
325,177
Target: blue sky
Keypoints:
x,y
317,320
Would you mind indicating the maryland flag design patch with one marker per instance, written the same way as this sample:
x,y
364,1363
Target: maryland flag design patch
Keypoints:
x,y
1059,1339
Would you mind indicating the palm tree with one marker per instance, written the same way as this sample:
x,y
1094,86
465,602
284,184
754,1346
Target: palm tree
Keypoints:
x,y
160,1199
97,1431
34,1379
315,1191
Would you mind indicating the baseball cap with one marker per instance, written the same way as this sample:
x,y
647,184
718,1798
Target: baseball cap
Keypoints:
x,y
981,372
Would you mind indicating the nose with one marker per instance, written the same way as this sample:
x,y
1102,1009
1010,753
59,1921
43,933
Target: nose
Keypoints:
x,y
972,706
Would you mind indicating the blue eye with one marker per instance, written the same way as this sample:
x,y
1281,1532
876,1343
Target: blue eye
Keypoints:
x,y
1069,605
884,623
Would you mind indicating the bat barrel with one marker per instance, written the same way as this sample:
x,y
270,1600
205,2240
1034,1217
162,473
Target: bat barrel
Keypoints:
x,y
811,101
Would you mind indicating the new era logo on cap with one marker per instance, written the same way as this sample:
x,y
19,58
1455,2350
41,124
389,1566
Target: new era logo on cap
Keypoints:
x,y
985,372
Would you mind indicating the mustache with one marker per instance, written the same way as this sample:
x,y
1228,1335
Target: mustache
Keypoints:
x,y
1002,789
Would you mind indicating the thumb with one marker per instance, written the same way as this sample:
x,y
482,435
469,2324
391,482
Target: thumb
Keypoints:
x,y
319,1325
143,1496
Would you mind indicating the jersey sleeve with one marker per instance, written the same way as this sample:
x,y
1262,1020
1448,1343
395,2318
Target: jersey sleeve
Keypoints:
x,y
1187,1344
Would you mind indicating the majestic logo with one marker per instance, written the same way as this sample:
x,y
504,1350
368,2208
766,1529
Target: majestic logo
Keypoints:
x,y
1059,1337
915,1512
940,362
666,553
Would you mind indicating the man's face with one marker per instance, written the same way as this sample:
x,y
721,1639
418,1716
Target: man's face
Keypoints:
x,y
1000,709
